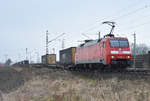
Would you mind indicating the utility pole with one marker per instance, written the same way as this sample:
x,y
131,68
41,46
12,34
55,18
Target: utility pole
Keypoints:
x,y
47,42
30,59
99,35
26,53
46,56
134,48
63,43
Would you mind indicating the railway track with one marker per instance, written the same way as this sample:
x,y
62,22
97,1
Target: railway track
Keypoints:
x,y
139,72
128,71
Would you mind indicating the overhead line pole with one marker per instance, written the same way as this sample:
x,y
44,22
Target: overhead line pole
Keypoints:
x,y
99,35
46,58
63,43
134,48
26,53
47,42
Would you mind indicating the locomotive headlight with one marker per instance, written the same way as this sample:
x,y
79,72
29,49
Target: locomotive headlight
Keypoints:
x,y
112,57
128,57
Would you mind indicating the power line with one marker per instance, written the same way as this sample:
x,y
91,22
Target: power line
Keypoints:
x,y
130,13
141,18
86,35
56,38
120,11
136,26
90,27
129,6
119,17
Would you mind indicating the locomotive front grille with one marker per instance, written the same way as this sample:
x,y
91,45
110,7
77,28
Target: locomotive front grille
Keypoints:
x,y
120,62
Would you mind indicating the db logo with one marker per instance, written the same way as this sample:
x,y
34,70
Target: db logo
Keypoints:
x,y
119,50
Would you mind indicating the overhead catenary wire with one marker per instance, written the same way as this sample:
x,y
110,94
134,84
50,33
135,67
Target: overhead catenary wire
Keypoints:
x,y
56,38
86,35
136,26
141,18
100,20
130,13
120,11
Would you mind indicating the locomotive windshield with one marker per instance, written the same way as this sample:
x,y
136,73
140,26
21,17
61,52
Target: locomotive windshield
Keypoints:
x,y
119,43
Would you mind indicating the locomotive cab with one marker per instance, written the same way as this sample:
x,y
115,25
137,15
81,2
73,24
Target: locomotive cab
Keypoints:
x,y
119,52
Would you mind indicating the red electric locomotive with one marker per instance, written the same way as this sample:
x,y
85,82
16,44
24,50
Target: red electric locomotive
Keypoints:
x,y
109,50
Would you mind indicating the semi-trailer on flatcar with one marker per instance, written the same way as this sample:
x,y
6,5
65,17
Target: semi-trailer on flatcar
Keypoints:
x,y
67,56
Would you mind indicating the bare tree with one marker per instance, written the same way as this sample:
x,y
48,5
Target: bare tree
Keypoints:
x,y
8,62
140,49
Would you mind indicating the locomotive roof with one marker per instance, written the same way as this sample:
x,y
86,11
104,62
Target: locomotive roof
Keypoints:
x,y
117,38
90,43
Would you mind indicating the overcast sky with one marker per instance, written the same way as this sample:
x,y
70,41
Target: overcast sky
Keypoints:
x,y
23,23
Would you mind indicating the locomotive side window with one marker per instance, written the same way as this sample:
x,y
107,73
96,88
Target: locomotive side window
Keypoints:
x,y
119,43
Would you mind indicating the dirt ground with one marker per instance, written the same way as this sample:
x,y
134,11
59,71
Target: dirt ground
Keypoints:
x,y
43,84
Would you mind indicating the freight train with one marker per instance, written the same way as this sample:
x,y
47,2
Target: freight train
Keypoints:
x,y
24,62
109,51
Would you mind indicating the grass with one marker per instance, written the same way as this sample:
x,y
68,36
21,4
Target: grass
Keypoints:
x,y
69,87
50,99
88,79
